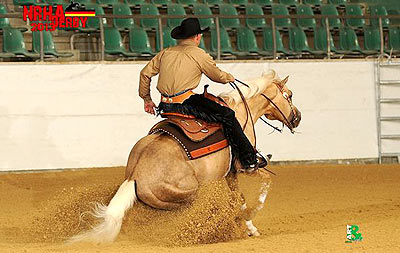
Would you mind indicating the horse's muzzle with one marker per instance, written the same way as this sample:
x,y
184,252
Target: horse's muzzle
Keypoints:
x,y
295,117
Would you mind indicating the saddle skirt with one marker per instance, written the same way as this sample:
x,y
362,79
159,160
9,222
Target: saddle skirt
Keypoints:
x,y
197,137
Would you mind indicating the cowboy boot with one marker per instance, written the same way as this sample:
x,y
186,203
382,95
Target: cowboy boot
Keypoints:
x,y
262,161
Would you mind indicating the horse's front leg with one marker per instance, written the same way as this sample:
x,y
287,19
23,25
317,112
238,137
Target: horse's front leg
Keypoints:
x,y
250,212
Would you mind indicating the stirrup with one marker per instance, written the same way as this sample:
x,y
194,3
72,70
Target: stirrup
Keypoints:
x,y
262,161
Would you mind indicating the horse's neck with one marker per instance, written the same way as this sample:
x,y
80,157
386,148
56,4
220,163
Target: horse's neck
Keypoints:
x,y
255,105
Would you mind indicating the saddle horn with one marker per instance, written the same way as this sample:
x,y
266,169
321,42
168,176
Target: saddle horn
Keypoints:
x,y
205,92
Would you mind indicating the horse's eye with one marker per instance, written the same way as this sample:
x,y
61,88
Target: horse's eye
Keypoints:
x,y
285,95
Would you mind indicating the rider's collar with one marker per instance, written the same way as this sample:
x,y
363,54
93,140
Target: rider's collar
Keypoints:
x,y
187,43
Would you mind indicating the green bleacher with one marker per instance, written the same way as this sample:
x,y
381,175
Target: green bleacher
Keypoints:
x,y
240,38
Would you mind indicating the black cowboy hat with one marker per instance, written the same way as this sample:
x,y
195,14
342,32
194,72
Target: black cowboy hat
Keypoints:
x,y
188,28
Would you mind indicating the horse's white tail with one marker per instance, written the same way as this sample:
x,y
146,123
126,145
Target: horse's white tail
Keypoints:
x,y
107,230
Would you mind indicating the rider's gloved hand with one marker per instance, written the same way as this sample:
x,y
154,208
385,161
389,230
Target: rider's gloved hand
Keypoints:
x,y
149,107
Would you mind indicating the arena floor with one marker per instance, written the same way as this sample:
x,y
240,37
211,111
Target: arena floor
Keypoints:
x,y
307,210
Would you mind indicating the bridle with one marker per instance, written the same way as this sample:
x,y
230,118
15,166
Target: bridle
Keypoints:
x,y
288,98
285,95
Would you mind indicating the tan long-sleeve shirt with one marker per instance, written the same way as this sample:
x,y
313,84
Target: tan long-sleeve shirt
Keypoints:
x,y
180,68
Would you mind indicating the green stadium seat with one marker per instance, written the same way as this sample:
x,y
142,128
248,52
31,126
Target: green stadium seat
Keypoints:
x,y
107,2
330,9
298,41
7,55
175,9
338,2
348,41
264,3
268,44
313,2
280,9
227,9
238,2
83,1
203,9
168,41
113,42
149,9
54,2
4,22
226,46
187,2
255,9
13,43
49,48
372,40
321,40
303,9
161,2
289,2
379,10
395,20
122,23
139,42
354,9
394,40
246,41
213,2
92,23
134,2
26,2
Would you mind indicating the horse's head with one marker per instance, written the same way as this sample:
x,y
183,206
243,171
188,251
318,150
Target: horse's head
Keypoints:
x,y
280,98
266,95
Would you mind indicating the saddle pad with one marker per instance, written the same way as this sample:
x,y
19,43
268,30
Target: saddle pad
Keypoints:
x,y
193,150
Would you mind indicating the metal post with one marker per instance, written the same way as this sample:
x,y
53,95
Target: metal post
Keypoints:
x,y
274,37
101,38
328,37
381,35
41,46
218,38
160,32
378,108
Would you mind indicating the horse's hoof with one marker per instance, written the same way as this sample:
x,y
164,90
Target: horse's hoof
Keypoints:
x,y
251,229
255,233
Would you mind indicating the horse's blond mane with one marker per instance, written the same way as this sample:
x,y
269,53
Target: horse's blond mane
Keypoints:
x,y
256,87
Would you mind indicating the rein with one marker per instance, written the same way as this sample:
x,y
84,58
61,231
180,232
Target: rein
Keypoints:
x,y
248,112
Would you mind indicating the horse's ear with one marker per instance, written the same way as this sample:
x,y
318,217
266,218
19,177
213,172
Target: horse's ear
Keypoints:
x,y
268,72
284,81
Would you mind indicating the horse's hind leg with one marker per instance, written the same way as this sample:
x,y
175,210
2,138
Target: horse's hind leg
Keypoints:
x,y
168,195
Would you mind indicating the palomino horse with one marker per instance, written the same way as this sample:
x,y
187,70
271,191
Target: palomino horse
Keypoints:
x,y
159,173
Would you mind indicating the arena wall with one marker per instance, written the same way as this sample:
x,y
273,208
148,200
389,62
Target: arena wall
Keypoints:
x,y
89,114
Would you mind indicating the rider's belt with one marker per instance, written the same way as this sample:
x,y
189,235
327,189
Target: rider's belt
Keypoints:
x,y
177,98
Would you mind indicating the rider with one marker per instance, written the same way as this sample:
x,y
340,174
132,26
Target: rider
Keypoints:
x,y
180,69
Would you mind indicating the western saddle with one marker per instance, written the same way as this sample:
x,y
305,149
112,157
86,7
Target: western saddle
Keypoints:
x,y
197,137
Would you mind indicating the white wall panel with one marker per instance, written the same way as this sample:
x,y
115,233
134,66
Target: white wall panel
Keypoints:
x,y
90,115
